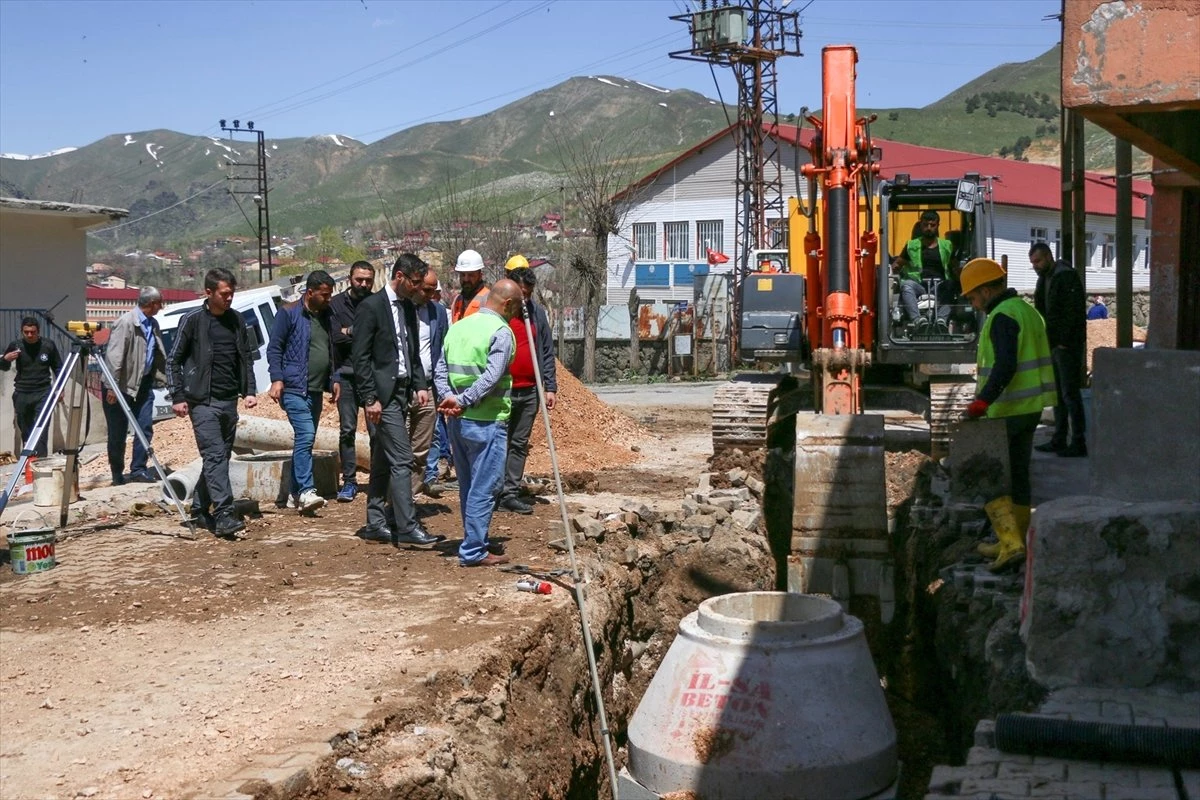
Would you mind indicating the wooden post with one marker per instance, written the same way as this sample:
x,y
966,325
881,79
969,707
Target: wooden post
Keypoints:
x,y
1124,286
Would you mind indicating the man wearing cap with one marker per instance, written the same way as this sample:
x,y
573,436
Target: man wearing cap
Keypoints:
x,y
473,291
534,326
432,324
1015,383
926,257
473,380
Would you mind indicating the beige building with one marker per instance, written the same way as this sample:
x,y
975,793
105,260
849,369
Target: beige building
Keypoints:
x,y
43,264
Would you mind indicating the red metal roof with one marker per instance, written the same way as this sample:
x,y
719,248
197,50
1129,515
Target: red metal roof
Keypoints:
x,y
168,295
1015,183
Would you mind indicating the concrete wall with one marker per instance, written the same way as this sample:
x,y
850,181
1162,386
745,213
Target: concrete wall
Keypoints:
x,y
42,258
1145,437
1130,53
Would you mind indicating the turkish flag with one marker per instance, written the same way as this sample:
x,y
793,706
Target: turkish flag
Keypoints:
x,y
716,258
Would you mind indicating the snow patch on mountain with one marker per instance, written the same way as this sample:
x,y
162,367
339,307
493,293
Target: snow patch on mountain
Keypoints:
x,y
23,157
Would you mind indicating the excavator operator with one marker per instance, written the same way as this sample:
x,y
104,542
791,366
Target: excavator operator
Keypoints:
x,y
927,256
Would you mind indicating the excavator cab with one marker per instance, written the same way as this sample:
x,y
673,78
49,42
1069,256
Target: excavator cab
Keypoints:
x,y
926,235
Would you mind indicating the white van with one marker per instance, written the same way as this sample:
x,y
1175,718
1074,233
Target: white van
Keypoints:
x,y
257,307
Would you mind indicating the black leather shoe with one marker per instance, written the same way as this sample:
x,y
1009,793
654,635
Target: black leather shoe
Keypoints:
x,y
142,476
418,535
1074,450
375,534
1050,446
516,506
231,528
203,519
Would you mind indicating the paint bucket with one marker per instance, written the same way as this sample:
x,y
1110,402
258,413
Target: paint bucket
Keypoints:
x,y
48,482
30,549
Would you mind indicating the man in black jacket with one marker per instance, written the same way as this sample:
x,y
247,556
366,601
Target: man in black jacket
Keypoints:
x,y
38,361
211,366
1059,298
344,307
389,376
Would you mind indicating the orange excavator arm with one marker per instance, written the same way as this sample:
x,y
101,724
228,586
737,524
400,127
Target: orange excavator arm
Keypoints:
x,y
841,289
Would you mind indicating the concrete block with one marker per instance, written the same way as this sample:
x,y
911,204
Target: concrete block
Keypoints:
x,y
978,461
1006,788
1033,772
949,779
1152,778
985,733
1135,793
1108,774
1108,599
1140,456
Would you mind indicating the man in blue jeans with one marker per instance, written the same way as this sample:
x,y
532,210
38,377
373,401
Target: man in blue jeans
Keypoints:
x,y
472,378
300,360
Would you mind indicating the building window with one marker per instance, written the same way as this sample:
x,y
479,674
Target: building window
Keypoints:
x,y
1037,235
777,234
710,235
1058,243
645,241
1108,256
1090,250
675,235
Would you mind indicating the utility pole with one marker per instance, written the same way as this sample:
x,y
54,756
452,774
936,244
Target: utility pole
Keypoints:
x,y
250,178
749,37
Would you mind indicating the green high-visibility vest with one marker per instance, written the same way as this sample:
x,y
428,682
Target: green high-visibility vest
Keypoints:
x,y
466,352
914,248
1032,387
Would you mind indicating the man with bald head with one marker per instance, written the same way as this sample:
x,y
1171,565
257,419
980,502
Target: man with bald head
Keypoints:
x,y
473,381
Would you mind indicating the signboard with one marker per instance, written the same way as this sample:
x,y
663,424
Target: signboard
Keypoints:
x,y
683,345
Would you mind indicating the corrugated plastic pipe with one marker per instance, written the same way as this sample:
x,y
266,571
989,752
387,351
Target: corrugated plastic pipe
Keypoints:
x,y
1098,741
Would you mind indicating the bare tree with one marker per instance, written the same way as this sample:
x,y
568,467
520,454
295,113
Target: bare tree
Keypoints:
x,y
600,166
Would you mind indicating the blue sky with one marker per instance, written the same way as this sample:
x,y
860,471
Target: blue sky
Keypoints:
x,y
73,72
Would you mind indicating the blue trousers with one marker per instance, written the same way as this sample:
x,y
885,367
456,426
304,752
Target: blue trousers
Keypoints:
x,y
480,449
303,411
142,406
438,448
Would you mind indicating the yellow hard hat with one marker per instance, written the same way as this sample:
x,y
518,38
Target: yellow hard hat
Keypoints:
x,y
979,271
516,262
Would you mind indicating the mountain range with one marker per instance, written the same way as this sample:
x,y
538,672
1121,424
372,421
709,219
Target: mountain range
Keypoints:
x,y
176,186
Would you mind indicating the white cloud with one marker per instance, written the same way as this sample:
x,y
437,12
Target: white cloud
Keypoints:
x,y
382,23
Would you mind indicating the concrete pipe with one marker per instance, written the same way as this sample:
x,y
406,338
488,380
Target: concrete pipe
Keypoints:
x,y
183,482
258,433
764,694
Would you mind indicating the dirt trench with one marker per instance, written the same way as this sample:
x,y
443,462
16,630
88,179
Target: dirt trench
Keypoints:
x,y
524,723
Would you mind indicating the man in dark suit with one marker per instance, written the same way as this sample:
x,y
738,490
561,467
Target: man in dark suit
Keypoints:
x,y
387,367
432,323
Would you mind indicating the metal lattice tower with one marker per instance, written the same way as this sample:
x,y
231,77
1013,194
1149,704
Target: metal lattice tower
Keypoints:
x,y
243,174
749,37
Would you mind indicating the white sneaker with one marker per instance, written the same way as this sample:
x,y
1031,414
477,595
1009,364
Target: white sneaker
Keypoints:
x,y
310,501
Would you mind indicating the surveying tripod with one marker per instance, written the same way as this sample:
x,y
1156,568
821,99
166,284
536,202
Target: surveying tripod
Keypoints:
x,y
74,374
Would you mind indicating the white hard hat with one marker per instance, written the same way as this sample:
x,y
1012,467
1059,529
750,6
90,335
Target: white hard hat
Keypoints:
x,y
469,261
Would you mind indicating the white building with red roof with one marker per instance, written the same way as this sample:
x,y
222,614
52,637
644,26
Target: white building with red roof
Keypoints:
x,y
679,211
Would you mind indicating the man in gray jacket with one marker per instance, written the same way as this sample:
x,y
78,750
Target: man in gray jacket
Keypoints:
x,y
138,360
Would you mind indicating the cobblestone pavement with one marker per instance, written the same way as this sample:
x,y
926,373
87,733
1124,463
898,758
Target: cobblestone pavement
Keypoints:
x,y
993,775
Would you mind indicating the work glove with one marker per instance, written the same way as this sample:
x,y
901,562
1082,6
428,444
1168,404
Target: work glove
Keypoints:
x,y
977,409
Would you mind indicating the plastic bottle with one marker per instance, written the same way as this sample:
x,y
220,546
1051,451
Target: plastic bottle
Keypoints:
x,y
534,585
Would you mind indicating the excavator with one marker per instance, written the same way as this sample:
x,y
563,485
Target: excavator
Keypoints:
x,y
828,303
828,310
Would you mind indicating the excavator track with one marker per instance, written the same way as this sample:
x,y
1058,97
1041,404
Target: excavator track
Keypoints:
x,y
739,417
949,397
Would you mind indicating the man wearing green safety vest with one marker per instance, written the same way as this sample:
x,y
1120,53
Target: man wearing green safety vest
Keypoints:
x,y
1016,381
472,378
926,257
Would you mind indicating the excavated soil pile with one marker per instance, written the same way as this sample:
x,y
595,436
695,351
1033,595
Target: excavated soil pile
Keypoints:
x,y
1103,333
588,434
903,471
720,464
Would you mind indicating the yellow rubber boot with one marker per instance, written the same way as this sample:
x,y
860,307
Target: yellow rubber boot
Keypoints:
x,y
1022,515
1012,539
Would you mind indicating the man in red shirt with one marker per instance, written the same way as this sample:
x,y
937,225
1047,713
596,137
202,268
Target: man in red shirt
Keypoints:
x,y
524,388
